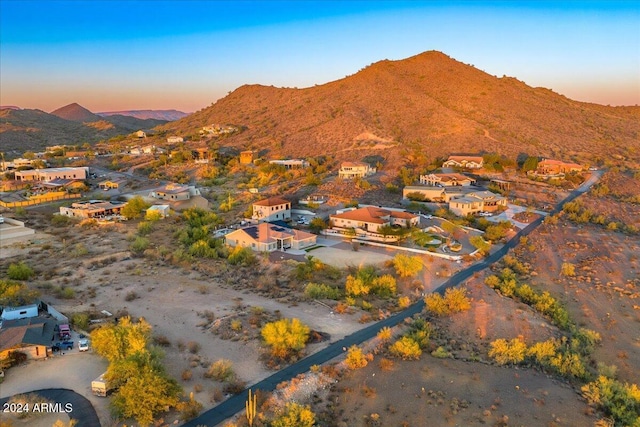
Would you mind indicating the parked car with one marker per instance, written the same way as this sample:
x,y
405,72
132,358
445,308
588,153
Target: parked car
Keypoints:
x,y
66,345
83,345
1,219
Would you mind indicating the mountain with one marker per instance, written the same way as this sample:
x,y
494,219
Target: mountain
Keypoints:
x,y
9,107
166,115
425,106
33,130
76,113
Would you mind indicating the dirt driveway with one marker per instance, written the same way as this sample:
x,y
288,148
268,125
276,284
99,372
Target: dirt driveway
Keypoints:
x,y
340,257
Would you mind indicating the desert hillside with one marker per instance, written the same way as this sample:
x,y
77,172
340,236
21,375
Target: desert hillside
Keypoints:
x,y
429,104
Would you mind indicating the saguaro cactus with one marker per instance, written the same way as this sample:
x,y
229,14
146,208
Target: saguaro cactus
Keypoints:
x,y
251,405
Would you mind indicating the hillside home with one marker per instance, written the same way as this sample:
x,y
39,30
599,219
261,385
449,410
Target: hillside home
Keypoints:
x,y
434,194
464,162
50,174
370,219
446,180
112,184
31,336
267,237
271,209
291,163
92,209
556,167
18,163
246,157
352,170
141,134
175,139
175,192
479,201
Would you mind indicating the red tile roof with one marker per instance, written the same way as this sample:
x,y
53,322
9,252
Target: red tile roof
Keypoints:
x,y
271,201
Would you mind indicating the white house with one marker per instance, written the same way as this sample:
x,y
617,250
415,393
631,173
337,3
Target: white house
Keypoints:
x,y
352,170
446,180
175,139
466,162
49,174
272,209
175,192
291,163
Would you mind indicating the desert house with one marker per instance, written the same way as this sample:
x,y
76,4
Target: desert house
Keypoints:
x,y
112,184
291,163
371,219
446,180
92,209
49,174
247,157
464,162
551,167
175,192
141,134
175,139
434,194
271,209
269,237
353,170
478,201
31,336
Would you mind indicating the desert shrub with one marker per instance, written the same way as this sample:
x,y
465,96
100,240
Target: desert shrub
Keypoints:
x,y
189,409
193,347
420,332
406,348
407,266
385,334
454,301
285,336
356,358
585,340
321,291
236,325
404,301
65,293
503,351
80,320
242,256
16,293
295,415
162,341
386,364
152,215
221,370
132,295
187,375
145,227
619,400
235,386
542,352
139,245
78,250
20,271
441,353
355,286
384,286
568,269
480,244
58,220
569,364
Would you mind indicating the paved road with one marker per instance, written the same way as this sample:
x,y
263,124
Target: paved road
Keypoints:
x,y
76,406
235,404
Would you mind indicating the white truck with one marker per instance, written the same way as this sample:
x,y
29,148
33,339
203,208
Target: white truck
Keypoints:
x,y
99,386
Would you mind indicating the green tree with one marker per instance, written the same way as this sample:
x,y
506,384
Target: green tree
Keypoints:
x,y
295,415
480,244
407,266
355,286
134,208
119,341
285,336
530,164
16,293
317,225
384,286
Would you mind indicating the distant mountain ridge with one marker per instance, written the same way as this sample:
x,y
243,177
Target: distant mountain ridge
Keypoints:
x,y
32,130
167,115
426,105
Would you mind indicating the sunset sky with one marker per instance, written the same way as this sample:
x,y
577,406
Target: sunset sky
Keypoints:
x,y
122,55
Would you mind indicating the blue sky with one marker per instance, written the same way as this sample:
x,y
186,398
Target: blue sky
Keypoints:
x,y
117,55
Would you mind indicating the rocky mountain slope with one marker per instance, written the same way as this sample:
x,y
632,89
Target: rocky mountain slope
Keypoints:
x,y
426,105
166,115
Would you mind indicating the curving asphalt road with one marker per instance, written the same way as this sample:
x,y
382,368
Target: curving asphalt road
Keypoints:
x,y
236,403
76,406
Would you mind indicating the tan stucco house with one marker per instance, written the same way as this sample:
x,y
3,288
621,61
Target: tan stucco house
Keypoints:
x,y
267,237
479,201
446,180
370,219
465,162
352,170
